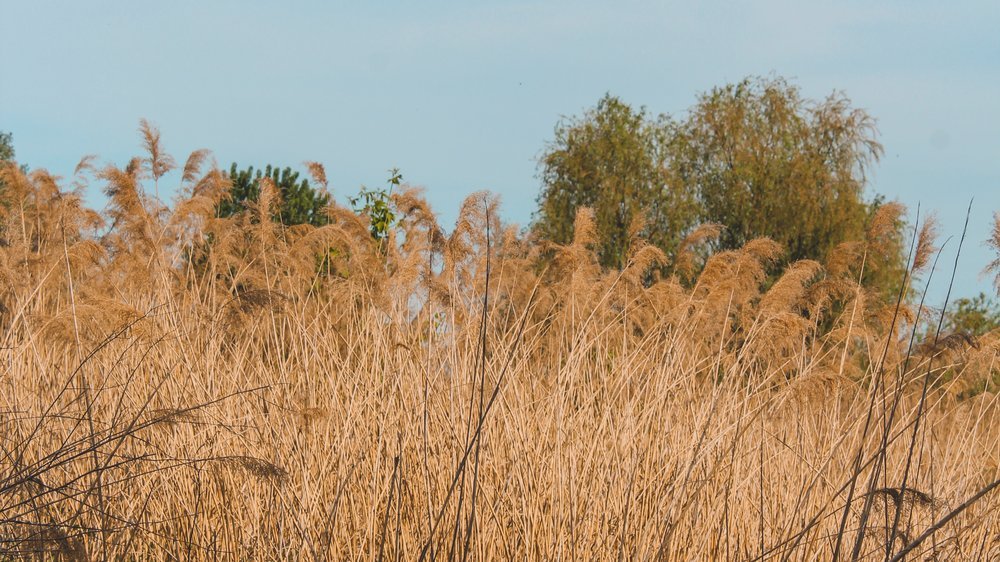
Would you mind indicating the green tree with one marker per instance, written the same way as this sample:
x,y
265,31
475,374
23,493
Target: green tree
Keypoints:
x,y
376,204
755,156
6,147
764,161
300,203
973,316
612,159
7,152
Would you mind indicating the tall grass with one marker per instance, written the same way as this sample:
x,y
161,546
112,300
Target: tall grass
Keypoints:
x,y
178,386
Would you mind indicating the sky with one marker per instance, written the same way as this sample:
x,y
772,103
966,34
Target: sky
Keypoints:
x,y
464,96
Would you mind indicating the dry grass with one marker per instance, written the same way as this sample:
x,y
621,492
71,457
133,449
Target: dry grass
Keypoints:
x,y
177,386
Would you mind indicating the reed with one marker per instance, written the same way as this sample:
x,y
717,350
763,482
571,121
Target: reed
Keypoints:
x,y
178,386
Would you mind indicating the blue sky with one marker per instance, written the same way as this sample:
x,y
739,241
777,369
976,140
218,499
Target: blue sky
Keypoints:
x,y
463,96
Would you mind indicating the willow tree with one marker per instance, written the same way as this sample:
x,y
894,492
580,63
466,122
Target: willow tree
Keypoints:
x,y
764,161
756,157
613,159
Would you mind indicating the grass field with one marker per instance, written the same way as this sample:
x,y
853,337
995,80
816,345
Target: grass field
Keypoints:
x,y
177,386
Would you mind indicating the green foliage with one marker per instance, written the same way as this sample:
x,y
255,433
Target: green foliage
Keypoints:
x,y
613,159
376,204
300,203
763,161
755,157
7,152
973,316
6,147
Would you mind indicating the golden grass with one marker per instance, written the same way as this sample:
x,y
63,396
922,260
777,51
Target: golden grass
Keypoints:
x,y
177,386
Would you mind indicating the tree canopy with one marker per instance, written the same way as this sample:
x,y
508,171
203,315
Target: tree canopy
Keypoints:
x,y
300,203
755,157
763,161
973,316
6,147
613,159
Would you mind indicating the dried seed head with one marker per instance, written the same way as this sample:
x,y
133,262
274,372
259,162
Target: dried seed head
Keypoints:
x,y
925,243
258,467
